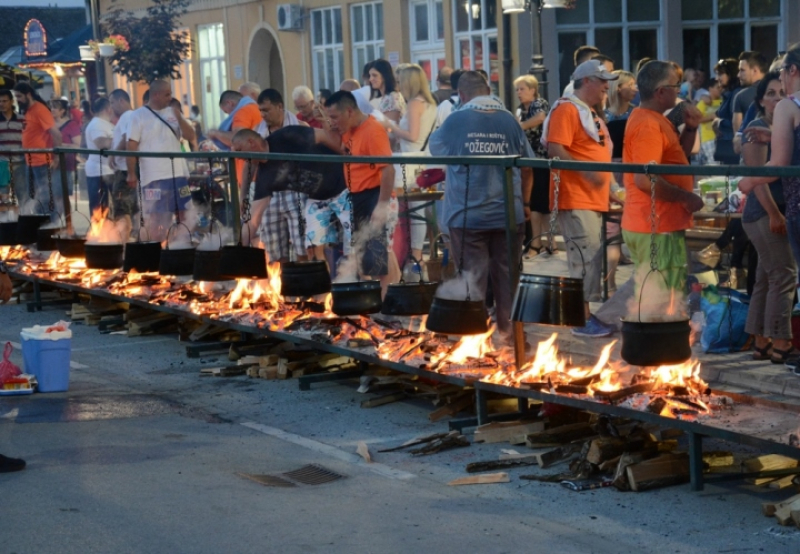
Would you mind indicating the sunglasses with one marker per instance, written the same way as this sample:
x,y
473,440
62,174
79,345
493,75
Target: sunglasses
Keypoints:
x,y
602,137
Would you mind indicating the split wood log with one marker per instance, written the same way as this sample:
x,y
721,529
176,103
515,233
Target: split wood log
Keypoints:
x,y
489,465
283,369
503,431
465,401
514,455
623,393
769,462
414,442
784,512
560,454
769,508
452,440
485,479
385,399
560,435
661,471
782,483
270,372
718,458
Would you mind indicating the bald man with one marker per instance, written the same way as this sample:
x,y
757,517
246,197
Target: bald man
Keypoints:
x,y
362,95
157,127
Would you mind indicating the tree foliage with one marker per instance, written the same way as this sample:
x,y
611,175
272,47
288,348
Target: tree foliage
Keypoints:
x,y
156,48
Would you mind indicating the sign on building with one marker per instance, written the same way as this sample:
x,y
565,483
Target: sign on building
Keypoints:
x,y
35,39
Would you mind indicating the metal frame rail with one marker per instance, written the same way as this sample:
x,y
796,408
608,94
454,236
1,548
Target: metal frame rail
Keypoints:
x,y
695,430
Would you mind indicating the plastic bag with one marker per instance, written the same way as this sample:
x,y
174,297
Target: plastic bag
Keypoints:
x,y
8,370
726,314
57,331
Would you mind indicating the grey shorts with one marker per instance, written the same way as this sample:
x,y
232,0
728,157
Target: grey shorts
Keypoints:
x,y
581,232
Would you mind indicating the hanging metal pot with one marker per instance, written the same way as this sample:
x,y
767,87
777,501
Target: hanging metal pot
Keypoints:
x,y
103,255
8,233
356,297
458,317
144,256
409,298
45,238
654,343
176,261
28,227
206,266
305,279
243,262
71,246
549,300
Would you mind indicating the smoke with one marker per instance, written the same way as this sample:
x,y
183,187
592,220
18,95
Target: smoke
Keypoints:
x,y
347,269
178,238
213,240
457,288
108,232
8,216
51,225
653,301
31,207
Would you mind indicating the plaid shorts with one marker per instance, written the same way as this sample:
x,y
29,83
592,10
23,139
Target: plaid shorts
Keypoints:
x,y
280,226
321,216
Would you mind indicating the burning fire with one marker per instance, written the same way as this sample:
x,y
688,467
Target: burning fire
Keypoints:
x,y
101,229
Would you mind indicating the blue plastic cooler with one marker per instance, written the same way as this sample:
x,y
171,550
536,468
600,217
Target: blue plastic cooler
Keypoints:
x,y
48,360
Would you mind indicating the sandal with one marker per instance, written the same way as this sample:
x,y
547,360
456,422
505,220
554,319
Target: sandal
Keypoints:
x,y
531,252
764,353
782,356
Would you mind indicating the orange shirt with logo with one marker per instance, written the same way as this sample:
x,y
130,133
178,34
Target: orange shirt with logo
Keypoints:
x,y
650,137
248,117
35,133
368,139
574,192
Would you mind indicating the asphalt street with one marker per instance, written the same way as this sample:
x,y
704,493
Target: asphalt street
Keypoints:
x,y
142,455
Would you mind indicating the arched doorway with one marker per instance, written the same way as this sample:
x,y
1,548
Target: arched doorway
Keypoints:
x,y
265,65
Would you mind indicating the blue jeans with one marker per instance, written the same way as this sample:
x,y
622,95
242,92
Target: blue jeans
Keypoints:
x,y
42,193
99,191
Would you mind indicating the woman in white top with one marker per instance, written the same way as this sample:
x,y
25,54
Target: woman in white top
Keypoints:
x,y
385,96
412,137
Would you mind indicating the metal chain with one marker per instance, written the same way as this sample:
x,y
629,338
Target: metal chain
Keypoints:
x,y
730,264
246,216
301,216
12,194
408,225
51,205
554,212
464,235
653,220
141,198
350,200
210,185
31,184
175,189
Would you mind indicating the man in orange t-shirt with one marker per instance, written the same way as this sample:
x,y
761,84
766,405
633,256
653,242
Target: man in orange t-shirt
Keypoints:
x,y
246,115
574,131
651,138
370,184
40,131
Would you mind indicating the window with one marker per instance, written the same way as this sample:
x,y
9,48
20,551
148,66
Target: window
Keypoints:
x,y
624,30
716,29
427,36
213,71
326,48
475,23
366,26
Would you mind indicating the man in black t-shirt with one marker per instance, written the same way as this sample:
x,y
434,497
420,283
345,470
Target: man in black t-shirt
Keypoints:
x,y
323,182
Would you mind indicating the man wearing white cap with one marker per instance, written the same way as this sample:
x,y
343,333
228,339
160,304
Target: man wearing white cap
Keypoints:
x,y
574,131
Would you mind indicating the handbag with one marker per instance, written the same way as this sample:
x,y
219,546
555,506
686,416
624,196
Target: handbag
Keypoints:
x,y
430,177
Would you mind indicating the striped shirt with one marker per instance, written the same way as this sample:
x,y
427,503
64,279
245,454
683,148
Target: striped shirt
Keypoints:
x,y
11,134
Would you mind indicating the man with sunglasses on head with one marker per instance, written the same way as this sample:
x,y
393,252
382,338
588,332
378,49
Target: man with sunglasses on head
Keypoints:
x,y
574,131
651,138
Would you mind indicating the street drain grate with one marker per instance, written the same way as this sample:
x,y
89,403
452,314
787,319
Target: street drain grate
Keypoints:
x,y
268,480
313,474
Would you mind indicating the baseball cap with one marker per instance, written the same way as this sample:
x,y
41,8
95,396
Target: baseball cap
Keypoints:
x,y
593,68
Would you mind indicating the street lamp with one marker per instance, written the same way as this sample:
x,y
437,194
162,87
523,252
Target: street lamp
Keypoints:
x,y
100,64
535,7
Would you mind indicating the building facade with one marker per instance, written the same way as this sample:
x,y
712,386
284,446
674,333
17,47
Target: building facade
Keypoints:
x,y
319,43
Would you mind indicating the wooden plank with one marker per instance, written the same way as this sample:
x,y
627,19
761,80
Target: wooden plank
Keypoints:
x,y
661,471
551,457
520,456
784,512
560,435
503,431
485,479
453,408
385,399
769,508
718,458
782,483
770,462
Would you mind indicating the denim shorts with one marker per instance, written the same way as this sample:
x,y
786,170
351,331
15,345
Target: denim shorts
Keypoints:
x,y
160,196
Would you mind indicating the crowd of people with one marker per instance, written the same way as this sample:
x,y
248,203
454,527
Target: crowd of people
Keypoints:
x,y
297,211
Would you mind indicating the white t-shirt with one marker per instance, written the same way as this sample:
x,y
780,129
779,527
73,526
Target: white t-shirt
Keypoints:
x,y
154,136
97,165
121,130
